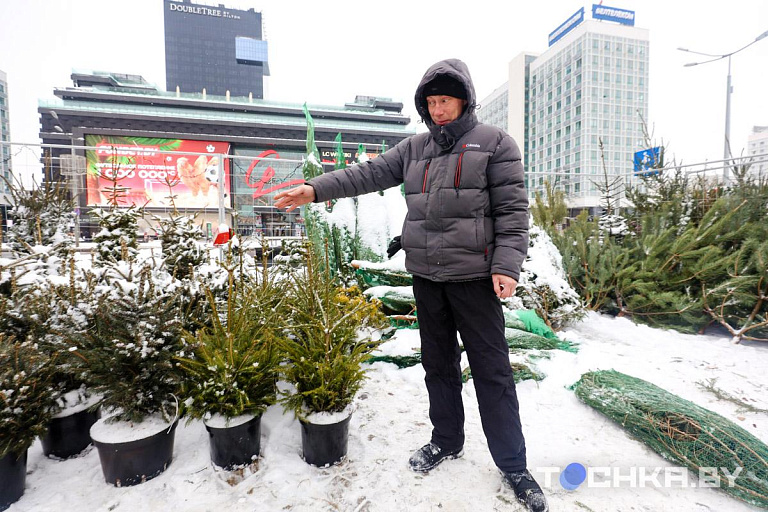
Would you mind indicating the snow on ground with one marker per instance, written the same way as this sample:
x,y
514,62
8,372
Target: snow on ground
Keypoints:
x,y
391,421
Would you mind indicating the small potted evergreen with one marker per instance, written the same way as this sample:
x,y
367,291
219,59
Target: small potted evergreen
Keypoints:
x,y
130,353
230,374
326,350
25,410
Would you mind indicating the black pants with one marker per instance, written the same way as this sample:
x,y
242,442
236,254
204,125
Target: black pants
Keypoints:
x,y
472,309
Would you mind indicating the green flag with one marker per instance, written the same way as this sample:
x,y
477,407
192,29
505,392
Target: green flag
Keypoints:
x,y
312,165
341,162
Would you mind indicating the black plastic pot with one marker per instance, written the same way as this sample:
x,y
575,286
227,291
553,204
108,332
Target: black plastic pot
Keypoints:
x,y
137,461
235,446
69,435
13,476
324,445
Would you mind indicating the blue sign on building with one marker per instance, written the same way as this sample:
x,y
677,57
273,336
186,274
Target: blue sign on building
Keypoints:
x,y
566,27
649,161
623,16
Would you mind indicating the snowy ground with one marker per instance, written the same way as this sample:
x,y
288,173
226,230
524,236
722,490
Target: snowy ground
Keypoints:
x,y
391,421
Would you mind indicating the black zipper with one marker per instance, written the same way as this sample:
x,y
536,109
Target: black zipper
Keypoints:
x,y
424,180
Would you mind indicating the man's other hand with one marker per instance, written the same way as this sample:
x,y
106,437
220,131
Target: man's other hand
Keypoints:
x,y
295,197
504,286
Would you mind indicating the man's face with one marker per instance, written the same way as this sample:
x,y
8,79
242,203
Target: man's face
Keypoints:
x,y
444,109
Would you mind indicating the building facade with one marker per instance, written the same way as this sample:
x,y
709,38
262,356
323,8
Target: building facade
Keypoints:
x,y
581,106
757,149
5,136
237,152
214,48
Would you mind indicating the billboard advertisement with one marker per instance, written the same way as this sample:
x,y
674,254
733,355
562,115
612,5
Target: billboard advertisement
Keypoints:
x,y
623,16
148,171
265,171
648,161
566,26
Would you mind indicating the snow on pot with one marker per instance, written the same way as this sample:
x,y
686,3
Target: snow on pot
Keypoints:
x,y
13,476
324,437
234,441
68,432
132,453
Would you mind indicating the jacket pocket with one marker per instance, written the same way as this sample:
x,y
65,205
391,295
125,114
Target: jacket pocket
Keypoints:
x,y
480,244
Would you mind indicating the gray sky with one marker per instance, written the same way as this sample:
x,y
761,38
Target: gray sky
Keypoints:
x,y
328,52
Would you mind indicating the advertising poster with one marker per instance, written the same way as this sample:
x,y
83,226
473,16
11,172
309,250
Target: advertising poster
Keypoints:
x,y
149,171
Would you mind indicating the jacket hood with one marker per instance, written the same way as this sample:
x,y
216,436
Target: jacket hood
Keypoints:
x,y
456,69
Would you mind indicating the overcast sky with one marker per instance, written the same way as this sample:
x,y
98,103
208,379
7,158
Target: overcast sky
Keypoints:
x,y
327,52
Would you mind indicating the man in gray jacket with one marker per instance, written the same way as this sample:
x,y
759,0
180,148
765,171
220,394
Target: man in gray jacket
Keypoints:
x,y
465,238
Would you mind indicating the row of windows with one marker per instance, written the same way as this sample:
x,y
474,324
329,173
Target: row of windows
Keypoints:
x,y
619,45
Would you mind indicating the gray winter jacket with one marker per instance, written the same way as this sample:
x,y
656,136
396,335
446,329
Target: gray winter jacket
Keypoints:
x,y
467,206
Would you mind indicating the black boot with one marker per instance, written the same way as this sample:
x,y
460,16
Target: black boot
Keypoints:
x,y
527,490
430,455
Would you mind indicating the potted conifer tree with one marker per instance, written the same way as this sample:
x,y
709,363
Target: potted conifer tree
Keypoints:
x,y
325,352
230,376
130,353
25,410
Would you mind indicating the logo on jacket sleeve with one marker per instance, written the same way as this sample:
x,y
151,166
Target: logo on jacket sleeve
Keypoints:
x,y
470,145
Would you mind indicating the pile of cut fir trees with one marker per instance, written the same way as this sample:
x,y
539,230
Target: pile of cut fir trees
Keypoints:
x,y
691,254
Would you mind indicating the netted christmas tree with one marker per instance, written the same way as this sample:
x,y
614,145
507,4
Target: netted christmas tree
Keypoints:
x,y
543,287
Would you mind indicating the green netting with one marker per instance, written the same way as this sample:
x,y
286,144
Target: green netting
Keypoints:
x,y
400,361
520,371
529,321
519,339
398,302
681,431
382,277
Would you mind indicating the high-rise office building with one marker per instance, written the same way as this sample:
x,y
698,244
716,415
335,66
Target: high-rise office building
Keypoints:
x,y
582,104
5,136
757,148
217,49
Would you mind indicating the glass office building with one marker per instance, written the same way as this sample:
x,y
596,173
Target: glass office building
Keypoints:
x,y
589,87
214,48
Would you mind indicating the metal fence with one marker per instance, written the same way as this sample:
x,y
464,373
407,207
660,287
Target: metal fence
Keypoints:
x,y
207,182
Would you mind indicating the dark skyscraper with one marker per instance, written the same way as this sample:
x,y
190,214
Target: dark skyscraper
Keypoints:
x,y
214,48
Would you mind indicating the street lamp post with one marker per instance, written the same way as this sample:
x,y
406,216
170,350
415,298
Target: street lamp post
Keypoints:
x,y
728,90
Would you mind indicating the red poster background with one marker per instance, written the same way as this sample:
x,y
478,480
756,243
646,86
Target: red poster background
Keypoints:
x,y
145,170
